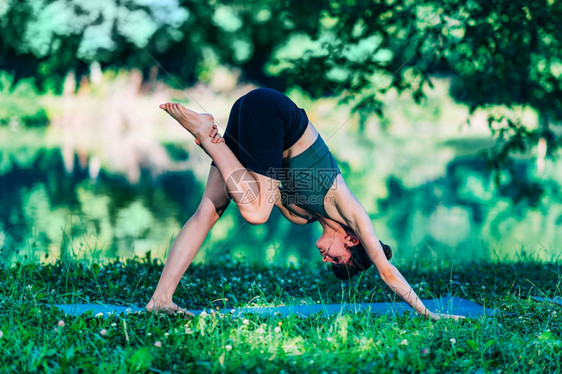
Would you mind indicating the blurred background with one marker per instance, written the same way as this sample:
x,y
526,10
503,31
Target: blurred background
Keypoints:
x,y
444,117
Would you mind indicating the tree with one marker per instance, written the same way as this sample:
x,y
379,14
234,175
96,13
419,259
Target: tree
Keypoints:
x,y
503,52
509,53
498,53
48,38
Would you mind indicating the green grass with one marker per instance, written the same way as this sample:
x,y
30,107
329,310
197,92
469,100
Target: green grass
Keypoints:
x,y
527,340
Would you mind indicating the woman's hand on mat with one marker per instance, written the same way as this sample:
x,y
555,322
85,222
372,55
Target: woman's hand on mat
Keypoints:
x,y
436,316
217,138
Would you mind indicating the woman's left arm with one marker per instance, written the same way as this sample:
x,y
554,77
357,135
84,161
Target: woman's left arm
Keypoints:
x,y
357,219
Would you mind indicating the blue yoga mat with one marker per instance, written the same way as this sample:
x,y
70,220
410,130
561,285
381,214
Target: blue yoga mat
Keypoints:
x,y
555,299
449,305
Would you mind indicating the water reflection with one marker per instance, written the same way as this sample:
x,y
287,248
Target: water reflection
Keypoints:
x,y
108,178
46,213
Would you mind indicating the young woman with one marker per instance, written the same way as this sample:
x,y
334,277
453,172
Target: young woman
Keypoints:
x,y
271,155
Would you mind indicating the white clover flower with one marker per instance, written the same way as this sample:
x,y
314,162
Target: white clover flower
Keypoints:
x,y
1,334
404,342
228,347
60,323
277,329
100,314
203,314
158,344
453,341
246,322
103,332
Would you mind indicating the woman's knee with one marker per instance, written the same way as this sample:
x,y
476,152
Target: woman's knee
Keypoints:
x,y
254,217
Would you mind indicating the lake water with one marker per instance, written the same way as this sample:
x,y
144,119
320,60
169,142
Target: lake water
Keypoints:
x,y
430,201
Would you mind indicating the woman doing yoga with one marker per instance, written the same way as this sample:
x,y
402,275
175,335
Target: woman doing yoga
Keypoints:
x,y
271,155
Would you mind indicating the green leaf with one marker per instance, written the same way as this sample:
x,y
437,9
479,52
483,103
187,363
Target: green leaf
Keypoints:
x,y
472,344
141,359
96,269
489,343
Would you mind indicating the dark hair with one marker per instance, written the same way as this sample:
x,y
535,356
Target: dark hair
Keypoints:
x,y
360,260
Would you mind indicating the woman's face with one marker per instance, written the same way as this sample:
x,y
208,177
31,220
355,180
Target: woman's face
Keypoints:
x,y
334,247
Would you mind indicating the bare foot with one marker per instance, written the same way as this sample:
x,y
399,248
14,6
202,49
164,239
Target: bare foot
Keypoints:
x,y
170,308
199,125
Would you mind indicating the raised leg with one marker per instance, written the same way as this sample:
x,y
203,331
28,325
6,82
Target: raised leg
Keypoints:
x,y
254,194
189,240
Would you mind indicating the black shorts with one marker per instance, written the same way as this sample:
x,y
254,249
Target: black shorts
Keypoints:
x,y
262,124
